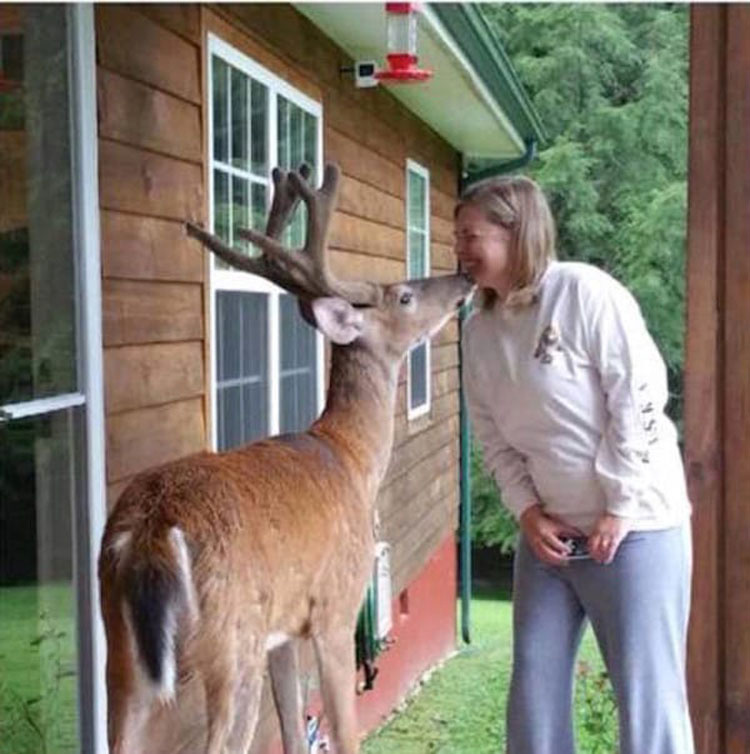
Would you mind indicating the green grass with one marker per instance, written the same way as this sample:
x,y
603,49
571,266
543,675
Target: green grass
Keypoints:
x,y
461,708
38,686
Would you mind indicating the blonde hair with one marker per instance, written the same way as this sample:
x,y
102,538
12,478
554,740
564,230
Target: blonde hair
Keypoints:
x,y
518,204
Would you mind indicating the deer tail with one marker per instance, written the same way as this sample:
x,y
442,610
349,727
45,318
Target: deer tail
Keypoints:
x,y
158,592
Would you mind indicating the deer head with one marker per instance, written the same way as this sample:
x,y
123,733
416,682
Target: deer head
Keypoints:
x,y
385,319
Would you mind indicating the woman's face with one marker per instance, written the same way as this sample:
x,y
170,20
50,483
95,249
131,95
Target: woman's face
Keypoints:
x,y
483,249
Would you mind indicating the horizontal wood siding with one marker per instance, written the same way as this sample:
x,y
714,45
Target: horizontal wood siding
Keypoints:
x,y
149,103
135,113
154,374
143,49
146,312
147,248
140,439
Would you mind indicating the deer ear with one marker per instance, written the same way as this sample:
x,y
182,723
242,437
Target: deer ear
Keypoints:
x,y
337,319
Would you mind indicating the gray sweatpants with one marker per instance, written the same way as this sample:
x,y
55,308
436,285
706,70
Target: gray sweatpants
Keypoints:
x,y
638,607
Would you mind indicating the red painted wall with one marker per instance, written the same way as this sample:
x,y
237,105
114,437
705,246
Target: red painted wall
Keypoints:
x,y
424,632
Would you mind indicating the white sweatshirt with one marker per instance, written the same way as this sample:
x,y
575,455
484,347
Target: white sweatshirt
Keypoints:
x,y
567,396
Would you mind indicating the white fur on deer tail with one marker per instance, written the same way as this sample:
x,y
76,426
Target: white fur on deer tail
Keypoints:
x,y
120,545
186,602
177,538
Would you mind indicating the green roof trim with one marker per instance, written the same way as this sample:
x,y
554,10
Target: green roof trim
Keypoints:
x,y
466,23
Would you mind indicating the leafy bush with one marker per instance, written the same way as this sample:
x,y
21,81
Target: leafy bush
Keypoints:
x,y
596,710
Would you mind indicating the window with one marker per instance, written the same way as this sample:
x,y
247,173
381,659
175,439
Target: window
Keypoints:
x,y
267,360
418,266
51,423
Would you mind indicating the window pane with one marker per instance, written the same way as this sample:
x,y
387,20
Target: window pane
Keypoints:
x,y
311,144
222,210
418,375
254,412
37,272
294,235
298,369
282,133
229,324
40,482
222,213
254,335
240,210
259,128
259,205
230,416
297,144
241,367
296,136
240,118
417,254
417,188
220,77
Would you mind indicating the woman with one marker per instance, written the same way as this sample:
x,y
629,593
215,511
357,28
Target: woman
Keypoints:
x,y
566,392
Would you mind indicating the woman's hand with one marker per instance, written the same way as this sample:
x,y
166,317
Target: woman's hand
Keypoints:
x,y
543,532
608,533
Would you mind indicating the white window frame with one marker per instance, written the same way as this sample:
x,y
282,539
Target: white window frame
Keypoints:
x,y
424,173
235,280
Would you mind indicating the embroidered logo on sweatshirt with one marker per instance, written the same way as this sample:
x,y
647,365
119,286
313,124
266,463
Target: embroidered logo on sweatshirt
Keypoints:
x,y
648,416
549,342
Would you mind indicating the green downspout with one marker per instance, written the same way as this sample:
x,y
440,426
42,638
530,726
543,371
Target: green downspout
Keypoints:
x,y
502,168
465,492
465,470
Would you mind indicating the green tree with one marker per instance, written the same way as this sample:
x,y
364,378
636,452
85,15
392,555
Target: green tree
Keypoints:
x,y
611,85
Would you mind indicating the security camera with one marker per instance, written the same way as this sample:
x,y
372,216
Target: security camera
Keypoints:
x,y
364,73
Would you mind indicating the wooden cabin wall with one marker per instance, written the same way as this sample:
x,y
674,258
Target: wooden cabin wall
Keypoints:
x,y
152,177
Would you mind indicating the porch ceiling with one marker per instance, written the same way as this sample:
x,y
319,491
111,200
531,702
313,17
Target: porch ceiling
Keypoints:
x,y
457,102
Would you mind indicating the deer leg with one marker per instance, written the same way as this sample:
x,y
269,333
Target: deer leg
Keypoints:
x,y
282,665
127,704
220,682
337,669
247,708
119,688
125,718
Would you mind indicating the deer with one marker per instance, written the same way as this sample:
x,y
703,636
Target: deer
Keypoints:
x,y
214,565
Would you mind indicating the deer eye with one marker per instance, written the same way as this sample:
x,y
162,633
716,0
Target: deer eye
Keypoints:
x,y
405,298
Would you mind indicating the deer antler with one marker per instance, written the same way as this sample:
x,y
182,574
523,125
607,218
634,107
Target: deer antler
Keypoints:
x,y
304,273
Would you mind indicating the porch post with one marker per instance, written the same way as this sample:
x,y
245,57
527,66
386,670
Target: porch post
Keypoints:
x,y
717,376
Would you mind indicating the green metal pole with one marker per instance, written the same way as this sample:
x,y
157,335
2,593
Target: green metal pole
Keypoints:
x,y
465,505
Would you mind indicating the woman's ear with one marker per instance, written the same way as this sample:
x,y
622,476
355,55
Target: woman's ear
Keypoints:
x,y
337,319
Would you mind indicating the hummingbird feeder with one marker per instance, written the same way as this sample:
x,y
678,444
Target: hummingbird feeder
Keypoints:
x,y
401,30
